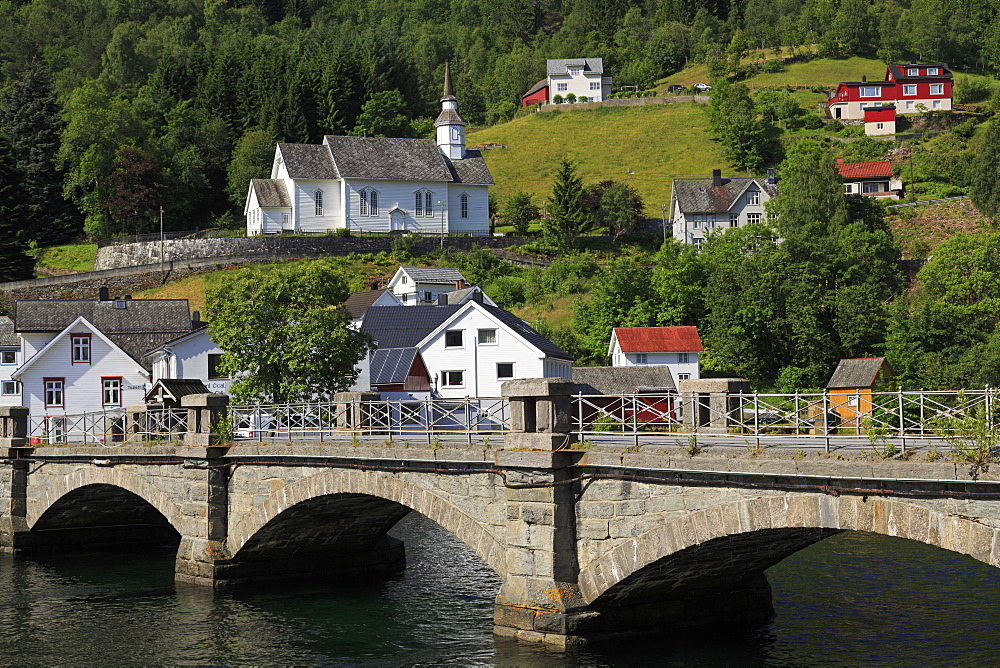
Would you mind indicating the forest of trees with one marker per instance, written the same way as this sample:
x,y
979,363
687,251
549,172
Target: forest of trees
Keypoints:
x,y
126,106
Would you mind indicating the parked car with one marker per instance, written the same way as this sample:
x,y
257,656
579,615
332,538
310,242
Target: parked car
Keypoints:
x,y
702,87
675,88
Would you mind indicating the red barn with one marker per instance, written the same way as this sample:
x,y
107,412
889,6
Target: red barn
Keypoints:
x,y
913,88
537,93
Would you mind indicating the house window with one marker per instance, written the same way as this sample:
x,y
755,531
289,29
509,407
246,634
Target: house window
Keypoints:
x,y
912,72
10,387
465,205
709,222
753,218
910,89
871,91
561,87
683,376
214,360
696,222
932,71
937,89
734,220
875,187
418,207
909,104
505,369
428,296
878,126
54,392
318,198
682,358
640,358
936,104
286,220
697,243
595,85
81,348
487,337
112,391
753,197
453,338
454,378
848,188
575,71
8,357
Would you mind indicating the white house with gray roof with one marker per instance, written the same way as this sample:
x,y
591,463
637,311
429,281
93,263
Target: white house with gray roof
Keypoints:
x,y
583,77
700,207
376,184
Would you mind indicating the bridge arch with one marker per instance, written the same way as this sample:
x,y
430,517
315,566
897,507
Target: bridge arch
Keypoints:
x,y
806,518
111,476
374,484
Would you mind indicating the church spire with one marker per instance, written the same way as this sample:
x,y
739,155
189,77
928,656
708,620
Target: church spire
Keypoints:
x,y
450,124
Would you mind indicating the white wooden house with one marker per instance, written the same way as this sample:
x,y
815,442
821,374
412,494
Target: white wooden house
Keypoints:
x,y
376,184
469,349
677,348
191,356
701,207
10,359
582,77
84,355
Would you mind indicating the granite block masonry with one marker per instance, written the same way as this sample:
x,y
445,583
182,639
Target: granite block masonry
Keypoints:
x,y
586,547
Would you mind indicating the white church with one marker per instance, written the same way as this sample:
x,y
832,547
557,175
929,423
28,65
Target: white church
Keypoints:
x,y
376,184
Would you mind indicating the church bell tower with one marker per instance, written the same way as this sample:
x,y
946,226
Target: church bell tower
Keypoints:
x,y
450,125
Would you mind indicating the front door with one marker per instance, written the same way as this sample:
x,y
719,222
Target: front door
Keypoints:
x,y
396,221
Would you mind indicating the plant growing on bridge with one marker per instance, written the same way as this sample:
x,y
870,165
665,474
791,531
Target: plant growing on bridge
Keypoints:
x,y
973,433
878,434
285,332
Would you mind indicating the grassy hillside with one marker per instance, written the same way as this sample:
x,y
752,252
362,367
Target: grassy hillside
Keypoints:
x,y
77,257
656,143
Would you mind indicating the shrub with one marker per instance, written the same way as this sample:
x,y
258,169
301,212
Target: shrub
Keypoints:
x,y
965,129
812,122
772,66
570,98
851,131
816,89
557,99
972,89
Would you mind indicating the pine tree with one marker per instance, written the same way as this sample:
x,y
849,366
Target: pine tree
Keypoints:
x,y
567,218
30,118
15,263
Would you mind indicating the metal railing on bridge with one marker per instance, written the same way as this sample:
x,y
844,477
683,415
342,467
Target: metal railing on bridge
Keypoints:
x,y
639,418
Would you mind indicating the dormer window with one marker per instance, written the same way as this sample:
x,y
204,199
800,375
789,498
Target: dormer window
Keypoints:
x,y
318,199
913,71
575,71
871,91
932,71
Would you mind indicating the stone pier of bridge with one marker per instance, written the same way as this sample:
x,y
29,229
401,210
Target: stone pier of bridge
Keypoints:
x,y
589,542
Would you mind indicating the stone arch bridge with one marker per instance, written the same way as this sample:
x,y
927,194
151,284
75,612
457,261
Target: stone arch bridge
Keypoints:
x,y
588,543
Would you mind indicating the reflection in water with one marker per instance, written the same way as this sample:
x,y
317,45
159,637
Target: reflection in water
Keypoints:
x,y
849,599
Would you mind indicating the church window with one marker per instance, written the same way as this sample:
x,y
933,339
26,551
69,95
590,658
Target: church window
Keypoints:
x,y
418,209
373,203
465,205
428,209
423,206
364,202
318,198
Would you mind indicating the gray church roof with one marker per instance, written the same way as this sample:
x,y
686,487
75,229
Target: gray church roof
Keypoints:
x,y
271,193
622,379
308,161
471,169
449,116
699,196
388,158
138,327
391,365
561,66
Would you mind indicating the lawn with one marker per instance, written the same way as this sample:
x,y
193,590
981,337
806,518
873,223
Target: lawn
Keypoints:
x,y
826,72
655,143
79,257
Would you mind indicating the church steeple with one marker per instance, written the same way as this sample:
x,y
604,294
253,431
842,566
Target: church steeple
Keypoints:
x,y
450,124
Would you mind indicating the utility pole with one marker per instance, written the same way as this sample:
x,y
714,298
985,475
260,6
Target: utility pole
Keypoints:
x,y
441,206
161,238
663,216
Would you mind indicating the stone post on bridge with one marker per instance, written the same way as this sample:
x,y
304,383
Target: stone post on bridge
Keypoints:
x,y
14,478
709,404
352,409
202,557
540,599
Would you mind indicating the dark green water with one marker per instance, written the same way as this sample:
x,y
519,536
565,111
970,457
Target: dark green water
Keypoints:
x,y
852,599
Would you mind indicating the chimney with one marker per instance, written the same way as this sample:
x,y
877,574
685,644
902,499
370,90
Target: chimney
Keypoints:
x,y
460,284
127,297
771,178
864,78
913,61
442,299
374,285
840,159
103,294
195,316
716,178
477,296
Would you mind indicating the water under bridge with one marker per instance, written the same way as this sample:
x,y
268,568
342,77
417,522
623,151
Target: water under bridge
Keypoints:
x,y
595,529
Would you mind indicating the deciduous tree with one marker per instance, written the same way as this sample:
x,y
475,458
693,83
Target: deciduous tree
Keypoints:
x,y
285,332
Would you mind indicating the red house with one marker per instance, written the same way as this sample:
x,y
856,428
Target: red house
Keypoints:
x,y
537,93
880,120
926,85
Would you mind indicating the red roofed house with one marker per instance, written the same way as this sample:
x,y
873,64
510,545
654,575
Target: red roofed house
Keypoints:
x,y
676,347
874,179
926,85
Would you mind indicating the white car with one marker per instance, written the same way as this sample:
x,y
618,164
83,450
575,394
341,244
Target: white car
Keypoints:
x,y
702,87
